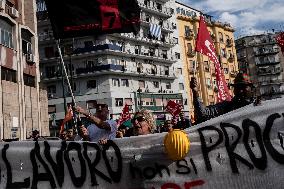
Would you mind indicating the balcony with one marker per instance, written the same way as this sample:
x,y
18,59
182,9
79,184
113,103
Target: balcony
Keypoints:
x,y
264,52
191,54
166,42
231,58
111,69
45,36
263,72
162,11
189,35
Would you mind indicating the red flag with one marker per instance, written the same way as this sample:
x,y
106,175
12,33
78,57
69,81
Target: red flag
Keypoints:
x,y
280,41
173,108
125,115
67,118
205,45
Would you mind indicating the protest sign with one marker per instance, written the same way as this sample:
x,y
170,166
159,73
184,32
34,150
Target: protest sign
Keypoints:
x,y
241,149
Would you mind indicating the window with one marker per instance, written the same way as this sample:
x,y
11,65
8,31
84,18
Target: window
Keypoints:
x,y
115,83
29,80
208,82
51,89
8,74
50,71
168,86
91,104
206,66
167,70
187,31
181,86
156,84
179,71
226,70
26,47
91,84
124,83
141,84
189,47
118,102
177,55
137,49
175,40
223,53
6,36
49,52
164,54
51,109
221,39
90,64
148,18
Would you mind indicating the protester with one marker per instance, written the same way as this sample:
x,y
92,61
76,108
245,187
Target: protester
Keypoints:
x,y
243,96
101,128
183,122
168,126
121,131
69,135
143,123
62,135
35,135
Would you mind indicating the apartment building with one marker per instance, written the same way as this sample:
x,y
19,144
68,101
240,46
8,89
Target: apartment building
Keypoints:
x,y
23,104
142,71
261,58
198,65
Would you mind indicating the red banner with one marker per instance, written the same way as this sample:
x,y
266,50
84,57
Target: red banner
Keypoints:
x,y
173,108
75,18
205,45
280,41
125,115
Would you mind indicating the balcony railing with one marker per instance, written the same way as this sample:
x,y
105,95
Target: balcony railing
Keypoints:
x,y
229,43
266,52
162,11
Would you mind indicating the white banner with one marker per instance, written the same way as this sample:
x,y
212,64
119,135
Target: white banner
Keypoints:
x,y
242,149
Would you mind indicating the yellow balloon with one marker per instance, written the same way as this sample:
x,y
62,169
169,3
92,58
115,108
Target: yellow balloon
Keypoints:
x,y
176,144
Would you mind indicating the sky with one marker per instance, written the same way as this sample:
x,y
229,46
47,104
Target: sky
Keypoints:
x,y
248,17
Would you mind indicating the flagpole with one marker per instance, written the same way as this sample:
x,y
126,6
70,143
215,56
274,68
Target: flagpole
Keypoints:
x,y
64,70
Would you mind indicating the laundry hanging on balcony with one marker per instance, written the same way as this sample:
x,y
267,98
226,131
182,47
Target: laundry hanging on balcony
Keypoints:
x,y
155,30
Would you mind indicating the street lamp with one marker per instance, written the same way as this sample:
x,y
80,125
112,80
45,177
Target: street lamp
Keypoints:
x,y
140,101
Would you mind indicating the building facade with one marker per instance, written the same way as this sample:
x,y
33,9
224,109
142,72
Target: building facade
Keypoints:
x,y
143,70
198,65
261,58
21,98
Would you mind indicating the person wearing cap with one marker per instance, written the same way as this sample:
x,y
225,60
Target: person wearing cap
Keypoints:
x,y
243,91
101,128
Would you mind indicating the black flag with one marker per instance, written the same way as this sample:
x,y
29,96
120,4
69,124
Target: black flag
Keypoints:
x,y
75,18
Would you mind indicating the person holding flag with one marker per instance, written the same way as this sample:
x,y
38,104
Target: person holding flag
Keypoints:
x,y
243,90
101,128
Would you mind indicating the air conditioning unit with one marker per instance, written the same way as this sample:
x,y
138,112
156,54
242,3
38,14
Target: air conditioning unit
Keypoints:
x,y
2,4
14,12
30,58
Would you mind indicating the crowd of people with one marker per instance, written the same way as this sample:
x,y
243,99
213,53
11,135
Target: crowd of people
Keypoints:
x,y
102,129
